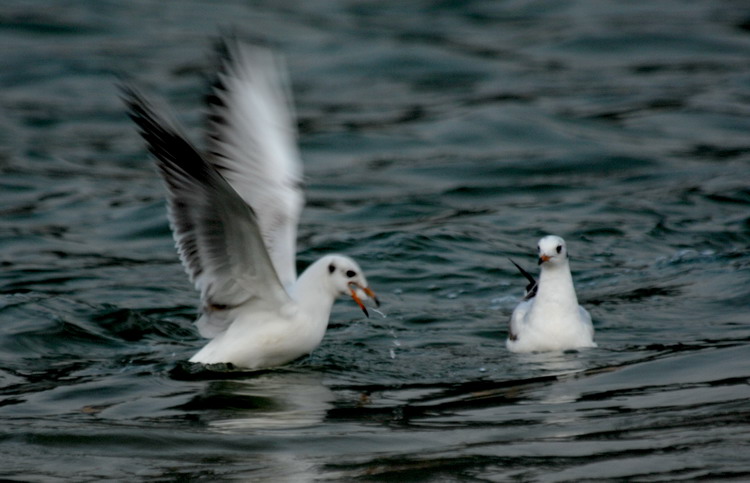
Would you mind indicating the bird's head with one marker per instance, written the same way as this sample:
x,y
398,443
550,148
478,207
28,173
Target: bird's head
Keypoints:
x,y
552,250
346,278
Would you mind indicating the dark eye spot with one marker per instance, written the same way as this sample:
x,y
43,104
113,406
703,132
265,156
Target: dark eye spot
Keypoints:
x,y
559,248
331,268
350,273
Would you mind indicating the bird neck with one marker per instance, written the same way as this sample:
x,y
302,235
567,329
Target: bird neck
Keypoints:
x,y
556,286
312,293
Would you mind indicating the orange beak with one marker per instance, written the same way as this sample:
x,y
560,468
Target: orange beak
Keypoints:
x,y
543,258
353,292
371,294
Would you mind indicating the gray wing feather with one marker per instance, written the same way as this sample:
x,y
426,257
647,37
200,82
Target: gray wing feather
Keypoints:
x,y
252,141
216,232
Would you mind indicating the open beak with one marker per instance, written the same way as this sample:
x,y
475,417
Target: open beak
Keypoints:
x,y
368,291
543,258
371,295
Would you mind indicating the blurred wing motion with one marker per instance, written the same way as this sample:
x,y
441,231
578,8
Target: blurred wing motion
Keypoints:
x,y
252,141
217,233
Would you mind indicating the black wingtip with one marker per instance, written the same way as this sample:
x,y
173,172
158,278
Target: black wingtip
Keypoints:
x,y
225,49
126,92
175,155
526,274
137,105
532,285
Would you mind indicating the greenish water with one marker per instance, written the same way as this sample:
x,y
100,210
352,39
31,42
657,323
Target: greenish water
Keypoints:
x,y
439,139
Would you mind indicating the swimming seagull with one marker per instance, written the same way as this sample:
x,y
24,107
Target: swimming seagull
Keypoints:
x,y
233,210
549,317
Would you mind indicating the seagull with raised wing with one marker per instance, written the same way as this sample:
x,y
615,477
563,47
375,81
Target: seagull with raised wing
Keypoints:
x,y
549,317
234,209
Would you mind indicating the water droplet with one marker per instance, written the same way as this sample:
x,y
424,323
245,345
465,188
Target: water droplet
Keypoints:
x,y
379,313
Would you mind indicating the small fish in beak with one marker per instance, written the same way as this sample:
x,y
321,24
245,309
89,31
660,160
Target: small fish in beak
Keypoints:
x,y
366,292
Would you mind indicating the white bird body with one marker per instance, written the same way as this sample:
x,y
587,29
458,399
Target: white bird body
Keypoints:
x,y
263,339
272,336
550,319
234,209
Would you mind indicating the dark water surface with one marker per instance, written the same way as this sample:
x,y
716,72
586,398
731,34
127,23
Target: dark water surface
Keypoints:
x,y
439,138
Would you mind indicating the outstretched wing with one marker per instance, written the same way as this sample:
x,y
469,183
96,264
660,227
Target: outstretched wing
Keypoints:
x,y
216,232
252,141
